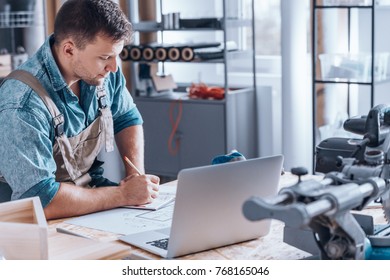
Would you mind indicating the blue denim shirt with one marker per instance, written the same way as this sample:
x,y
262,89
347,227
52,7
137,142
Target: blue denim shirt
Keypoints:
x,y
26,130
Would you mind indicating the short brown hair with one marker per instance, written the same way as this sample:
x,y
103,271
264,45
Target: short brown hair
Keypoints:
x,y
83,20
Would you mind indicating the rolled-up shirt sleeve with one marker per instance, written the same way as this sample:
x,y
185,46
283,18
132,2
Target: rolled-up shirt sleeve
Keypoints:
x,y
30,168
46,190
133,117
124,111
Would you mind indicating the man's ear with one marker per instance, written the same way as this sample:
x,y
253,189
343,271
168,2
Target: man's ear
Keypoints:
x,y
68,48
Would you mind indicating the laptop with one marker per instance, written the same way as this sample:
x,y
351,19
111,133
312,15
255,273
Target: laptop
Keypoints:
x,y
208,207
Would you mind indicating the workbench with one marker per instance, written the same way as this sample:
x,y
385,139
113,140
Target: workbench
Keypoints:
x,y
269,247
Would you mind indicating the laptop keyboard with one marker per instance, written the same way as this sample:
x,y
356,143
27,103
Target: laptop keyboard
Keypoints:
x,y
161,243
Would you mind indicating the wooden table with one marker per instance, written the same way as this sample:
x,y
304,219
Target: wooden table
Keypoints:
x,y
268,247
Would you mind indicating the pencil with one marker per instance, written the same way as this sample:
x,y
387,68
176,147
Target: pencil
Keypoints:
x,y
132,165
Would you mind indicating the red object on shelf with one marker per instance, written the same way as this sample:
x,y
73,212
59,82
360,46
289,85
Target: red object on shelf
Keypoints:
x,y
205,92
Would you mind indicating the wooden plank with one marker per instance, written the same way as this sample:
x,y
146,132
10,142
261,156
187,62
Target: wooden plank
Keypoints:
x,y
20,211
21,241
68,247
23,232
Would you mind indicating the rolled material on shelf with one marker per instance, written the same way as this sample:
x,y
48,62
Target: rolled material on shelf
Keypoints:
x,y
174,54
187,54
179,52
187,51
136,53
216,52
125,53
161,54
131,52
148,53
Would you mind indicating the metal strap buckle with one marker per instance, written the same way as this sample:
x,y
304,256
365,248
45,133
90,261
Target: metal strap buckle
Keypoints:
x,y
102,101
58,123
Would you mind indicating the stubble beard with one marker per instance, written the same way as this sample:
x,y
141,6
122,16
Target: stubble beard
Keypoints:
x,y
82,74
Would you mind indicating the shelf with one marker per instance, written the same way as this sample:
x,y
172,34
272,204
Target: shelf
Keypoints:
x,y
172,117
344,3
354,72
175,96
183,96
153,26
139,27
230,55
384,7
371,6
387,80
344,6
343,82
16,19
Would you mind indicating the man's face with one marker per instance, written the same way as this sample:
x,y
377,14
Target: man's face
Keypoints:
x,y
93,63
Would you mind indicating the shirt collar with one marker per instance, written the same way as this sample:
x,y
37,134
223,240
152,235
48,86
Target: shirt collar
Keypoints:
x,y
50,64
54,73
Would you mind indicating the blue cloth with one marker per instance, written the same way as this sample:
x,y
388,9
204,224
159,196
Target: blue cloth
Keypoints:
x,y
26,131
232,156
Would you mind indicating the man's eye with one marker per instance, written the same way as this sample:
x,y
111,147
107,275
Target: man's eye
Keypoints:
x,y
105,57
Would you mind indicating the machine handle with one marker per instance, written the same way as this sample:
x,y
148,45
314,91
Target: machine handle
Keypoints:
x,y
294,215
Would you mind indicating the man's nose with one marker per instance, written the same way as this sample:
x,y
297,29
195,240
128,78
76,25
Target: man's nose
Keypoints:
x,y
112,65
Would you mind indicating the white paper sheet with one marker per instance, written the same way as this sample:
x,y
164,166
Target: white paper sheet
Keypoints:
x,y
128,221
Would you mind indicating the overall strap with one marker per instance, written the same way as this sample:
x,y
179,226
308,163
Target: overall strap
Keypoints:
x,y
27,78
106,114
57,118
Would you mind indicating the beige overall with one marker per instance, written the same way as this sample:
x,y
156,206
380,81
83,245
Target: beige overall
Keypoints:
x,y
74,156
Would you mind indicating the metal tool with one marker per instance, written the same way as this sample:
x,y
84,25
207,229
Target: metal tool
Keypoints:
x,y
325,206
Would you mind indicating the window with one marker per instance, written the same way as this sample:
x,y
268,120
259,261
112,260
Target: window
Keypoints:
x,y
267,26
267,36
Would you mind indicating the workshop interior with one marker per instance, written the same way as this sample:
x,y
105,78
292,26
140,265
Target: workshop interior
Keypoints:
x,y
233,80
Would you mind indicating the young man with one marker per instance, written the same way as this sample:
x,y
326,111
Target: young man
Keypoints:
x,y
50,136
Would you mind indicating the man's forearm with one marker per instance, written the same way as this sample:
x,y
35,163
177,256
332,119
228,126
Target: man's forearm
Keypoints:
x,y
72,200
130,143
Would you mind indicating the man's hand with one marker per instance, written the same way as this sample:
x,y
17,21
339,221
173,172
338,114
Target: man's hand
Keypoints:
x,y
139,189
72,200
